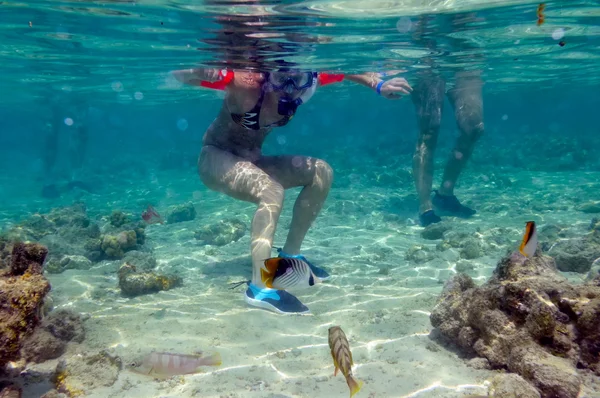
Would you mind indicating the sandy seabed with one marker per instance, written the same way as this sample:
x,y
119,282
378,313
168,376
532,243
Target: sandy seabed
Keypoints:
x,y
380,299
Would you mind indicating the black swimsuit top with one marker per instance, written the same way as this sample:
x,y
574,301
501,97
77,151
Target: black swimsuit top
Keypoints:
x,y
249,120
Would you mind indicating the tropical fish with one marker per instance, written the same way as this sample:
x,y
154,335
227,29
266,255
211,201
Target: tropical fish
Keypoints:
x,y
540,14
530,241
164,364
151,216
284,273
342,358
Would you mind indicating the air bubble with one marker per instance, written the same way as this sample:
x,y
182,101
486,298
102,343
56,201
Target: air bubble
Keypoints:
x,y
182,124
117,86
558,34
404,25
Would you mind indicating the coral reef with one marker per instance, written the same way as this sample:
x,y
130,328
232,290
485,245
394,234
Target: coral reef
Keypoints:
x,y
511,386
134,283
82,372
180,213
74,242
577,254
118,218
62,230
222,232
41,346
22,291
106,246
528,319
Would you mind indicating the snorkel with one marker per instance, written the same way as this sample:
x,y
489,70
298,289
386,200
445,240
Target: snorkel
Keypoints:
x,y
288,106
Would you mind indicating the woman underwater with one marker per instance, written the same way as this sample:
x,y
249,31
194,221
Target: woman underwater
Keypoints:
x,y
231,160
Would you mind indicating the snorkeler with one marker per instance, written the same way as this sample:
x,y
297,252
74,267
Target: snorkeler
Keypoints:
x,y
428,99
231,160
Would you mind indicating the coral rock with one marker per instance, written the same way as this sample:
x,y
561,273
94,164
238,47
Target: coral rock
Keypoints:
x,y
41,346
528,319
185,212
118,218
27,257
22,291
511,386
65,325
134,283
435,231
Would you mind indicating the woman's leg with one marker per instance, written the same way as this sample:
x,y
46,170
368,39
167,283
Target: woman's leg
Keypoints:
x,y
466,98
428,99
315,175
239,178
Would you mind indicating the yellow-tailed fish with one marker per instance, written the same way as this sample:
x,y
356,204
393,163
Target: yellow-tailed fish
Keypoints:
x,y
342,358
530,241
284,273
164,364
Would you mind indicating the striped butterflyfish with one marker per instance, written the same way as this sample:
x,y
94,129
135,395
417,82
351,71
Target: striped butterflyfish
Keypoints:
x,y
530,241
285,273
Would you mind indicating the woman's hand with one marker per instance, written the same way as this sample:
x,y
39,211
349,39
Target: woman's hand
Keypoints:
x,y
394,88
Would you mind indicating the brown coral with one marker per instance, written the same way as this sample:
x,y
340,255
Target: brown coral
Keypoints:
x,y
134,283
22,291
527,319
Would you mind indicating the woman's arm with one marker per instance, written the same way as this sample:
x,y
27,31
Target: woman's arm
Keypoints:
x,y
195,76
213,78
391,89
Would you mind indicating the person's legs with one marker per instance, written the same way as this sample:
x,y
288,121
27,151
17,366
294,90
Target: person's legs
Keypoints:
x,y
466,99
316,177
428,99
241,179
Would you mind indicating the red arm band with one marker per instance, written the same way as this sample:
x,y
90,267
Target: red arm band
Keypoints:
x,y
226,78
328,78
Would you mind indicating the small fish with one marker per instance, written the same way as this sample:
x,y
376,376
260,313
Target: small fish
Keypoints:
x,y
530,241
540,14
151,216
163,364
342,358
284,273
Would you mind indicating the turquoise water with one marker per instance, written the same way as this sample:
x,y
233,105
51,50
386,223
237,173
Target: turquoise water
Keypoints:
x,y
106,65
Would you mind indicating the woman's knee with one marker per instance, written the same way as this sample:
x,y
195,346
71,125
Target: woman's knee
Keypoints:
x,y
471,129
270,192
323,174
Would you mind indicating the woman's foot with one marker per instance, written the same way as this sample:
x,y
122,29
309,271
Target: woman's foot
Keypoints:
x,y
429,217
449,204
278,301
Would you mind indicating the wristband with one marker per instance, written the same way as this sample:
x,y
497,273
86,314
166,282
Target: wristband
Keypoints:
x,y
379,86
